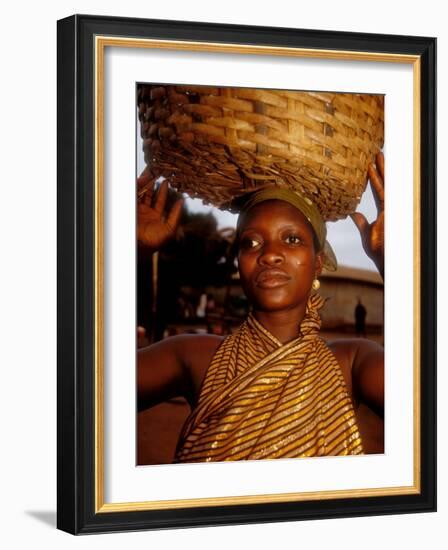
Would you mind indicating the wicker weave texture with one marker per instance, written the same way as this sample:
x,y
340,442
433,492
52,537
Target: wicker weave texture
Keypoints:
x,y
216,143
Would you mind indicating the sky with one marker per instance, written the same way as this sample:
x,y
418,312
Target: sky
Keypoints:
x,y
342,235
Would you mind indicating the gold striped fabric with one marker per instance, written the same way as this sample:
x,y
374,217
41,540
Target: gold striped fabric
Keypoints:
x,y
263,399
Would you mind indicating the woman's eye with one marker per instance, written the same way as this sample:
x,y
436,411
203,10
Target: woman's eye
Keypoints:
x,y
293,239
247,243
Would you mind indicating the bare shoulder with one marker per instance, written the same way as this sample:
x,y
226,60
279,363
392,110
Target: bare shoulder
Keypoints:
x,y
362,363
196,348
195,352
351,350
182,343
353,343
174,366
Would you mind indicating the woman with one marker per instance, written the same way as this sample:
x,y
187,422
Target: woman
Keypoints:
x,y
274,388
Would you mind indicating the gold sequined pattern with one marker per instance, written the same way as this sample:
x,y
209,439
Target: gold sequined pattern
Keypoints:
x,y
262,399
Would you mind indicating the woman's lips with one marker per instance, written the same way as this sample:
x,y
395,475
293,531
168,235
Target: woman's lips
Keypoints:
x,y
271,278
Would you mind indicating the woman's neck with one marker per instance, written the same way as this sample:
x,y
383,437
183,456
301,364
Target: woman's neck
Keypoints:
x,y
284,325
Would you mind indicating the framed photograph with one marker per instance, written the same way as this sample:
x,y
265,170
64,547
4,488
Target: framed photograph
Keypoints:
x,y
246,310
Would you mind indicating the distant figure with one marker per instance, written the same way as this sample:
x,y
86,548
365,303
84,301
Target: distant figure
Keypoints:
x,y
360,319
200,310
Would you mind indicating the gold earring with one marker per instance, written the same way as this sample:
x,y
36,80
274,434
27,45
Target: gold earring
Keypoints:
x,y
316,284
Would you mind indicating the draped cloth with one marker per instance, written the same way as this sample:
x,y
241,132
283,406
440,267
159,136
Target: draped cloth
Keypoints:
x,y
262,399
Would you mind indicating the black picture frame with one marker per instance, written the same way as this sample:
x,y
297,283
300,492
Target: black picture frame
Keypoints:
x,y
78,510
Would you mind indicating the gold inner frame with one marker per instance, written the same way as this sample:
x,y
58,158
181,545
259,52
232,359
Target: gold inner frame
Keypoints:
x,y
101,42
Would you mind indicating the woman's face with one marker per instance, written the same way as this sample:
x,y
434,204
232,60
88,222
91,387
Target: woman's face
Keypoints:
x,y
277,257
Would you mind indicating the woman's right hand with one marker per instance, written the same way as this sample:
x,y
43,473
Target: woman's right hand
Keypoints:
x,y
154,228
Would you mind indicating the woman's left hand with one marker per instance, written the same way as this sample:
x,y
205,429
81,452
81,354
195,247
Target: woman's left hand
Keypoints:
x,y
372,234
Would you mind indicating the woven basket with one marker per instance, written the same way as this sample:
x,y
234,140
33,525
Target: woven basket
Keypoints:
x,y
216,143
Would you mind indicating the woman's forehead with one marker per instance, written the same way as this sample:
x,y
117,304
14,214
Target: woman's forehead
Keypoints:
x,y
272,213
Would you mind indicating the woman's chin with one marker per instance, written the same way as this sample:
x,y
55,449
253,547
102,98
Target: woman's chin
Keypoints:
x,y
274,304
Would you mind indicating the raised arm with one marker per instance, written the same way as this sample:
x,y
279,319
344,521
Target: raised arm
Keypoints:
x,y
160,368
175,366
368,361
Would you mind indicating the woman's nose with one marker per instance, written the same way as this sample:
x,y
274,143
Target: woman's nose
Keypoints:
x,y
270,255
